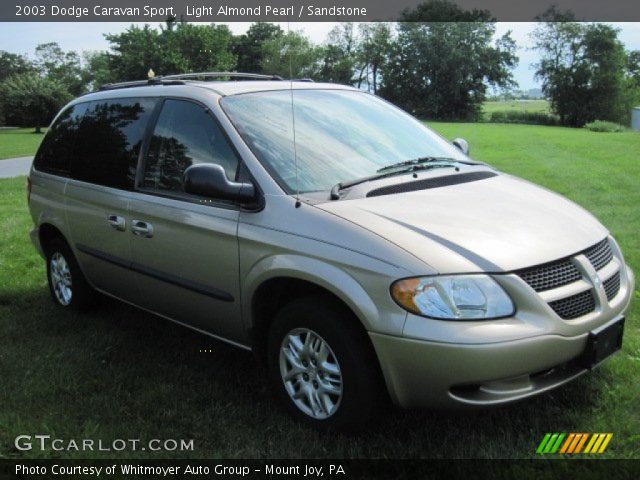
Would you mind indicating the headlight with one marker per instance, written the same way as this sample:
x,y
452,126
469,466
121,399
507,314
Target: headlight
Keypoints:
x,y
453,297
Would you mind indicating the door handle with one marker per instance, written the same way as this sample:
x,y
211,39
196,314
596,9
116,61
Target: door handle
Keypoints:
x,y
142,229
117,222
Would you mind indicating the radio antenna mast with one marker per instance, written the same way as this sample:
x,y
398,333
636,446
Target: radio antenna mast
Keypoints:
x,y
293,118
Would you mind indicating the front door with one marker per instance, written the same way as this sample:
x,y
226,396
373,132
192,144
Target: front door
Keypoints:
x,y
185,248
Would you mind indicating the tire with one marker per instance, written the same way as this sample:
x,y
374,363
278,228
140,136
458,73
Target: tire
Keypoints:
x,y
337,381
67,284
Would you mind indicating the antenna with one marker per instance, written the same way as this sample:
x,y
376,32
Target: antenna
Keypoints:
x,y
293,119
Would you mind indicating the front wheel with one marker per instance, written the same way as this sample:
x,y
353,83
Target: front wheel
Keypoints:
x,y
322,366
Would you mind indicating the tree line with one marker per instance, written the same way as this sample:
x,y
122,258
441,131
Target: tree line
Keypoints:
x,y
437,62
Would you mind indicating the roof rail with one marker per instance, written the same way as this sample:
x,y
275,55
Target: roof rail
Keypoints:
x,y
140,83
179,78
189,76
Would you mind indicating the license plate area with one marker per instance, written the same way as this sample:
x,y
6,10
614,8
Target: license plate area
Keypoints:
x,y
602,343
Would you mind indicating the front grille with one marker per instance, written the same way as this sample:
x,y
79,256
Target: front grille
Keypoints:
x,y
550,275
563,272
612,286
600,254
574,306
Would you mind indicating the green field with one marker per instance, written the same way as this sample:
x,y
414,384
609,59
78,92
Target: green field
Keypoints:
x,y
533,106
121,373
18,142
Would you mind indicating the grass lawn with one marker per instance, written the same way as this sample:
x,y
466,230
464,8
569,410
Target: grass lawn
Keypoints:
x,y
533,106
19,142
120,373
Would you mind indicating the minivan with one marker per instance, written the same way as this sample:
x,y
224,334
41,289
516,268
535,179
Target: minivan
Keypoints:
x,y
360,256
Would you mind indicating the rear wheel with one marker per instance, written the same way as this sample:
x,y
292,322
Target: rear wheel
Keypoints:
x,y
322,367
69,289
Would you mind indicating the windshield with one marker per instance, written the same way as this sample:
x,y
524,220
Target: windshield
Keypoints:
x,y
341,135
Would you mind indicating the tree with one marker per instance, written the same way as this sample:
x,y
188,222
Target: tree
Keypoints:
x,y
179,47
442,70
373,53
134,52
582,69
248,47
633,68
97,71
64,67
196,48
291,55
30,100
631,84
13,64
356,56
444,11
339,55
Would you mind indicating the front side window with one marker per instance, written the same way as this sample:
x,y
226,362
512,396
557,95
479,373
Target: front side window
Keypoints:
x,y
185,134
57,148
109,141
340,135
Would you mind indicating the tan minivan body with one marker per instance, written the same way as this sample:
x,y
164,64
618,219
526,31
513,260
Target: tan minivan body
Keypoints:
x,y
226,268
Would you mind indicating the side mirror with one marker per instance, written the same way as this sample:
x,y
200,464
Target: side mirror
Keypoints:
x,y
210,180
462,144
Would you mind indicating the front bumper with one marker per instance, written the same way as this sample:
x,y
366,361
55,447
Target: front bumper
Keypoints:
x,y
455,364
420,373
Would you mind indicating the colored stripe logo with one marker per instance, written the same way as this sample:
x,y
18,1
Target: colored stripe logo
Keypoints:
x,y
574,443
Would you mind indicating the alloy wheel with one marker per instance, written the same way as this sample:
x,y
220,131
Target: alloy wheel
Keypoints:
x,y
311,373
61,279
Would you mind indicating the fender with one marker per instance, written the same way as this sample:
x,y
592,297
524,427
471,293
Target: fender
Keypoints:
x,y
324,275
47,217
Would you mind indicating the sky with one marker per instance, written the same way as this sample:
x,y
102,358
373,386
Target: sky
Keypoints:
x,y
23,37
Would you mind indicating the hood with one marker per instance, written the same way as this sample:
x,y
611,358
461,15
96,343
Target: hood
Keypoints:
x,y
495,224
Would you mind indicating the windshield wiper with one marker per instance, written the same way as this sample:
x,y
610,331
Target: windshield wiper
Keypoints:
x,y
397,170
416,162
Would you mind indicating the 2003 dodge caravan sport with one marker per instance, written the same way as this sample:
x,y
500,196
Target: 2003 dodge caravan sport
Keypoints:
x,y
352,249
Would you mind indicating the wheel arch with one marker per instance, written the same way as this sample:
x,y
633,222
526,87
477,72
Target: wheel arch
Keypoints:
x,y
278,280
47,232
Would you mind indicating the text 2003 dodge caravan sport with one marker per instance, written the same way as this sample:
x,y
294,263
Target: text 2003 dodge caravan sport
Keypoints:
x,y
368,256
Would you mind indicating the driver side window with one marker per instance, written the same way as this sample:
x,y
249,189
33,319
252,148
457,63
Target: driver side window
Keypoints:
x,y
185,134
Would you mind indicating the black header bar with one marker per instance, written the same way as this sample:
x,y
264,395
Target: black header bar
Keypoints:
x,y
294,10
333,469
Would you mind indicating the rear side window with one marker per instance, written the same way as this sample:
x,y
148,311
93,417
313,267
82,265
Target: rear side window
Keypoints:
x,y
109,141
185,134
57,148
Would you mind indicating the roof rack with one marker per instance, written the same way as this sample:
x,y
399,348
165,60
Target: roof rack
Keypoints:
x,y
178,79
140,83
189,76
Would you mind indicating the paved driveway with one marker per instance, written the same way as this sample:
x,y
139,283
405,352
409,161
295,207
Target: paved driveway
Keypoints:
x,y
15,167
